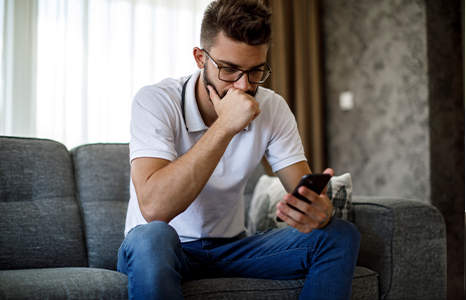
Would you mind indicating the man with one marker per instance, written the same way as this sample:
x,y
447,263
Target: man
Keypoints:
x,y
194,143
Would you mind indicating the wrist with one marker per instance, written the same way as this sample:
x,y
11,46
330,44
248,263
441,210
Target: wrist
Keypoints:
x,y
223,129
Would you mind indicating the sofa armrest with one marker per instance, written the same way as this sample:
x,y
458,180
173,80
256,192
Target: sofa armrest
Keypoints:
x,y
404,241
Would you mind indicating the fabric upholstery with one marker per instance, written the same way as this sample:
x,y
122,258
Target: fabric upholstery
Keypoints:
x,y
102,178
365,284
402,254
63,283
40,224
404,241
365,287
242,288
87,283
262,213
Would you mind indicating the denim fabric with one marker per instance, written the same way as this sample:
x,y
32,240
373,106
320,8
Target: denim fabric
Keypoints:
x,y
157,263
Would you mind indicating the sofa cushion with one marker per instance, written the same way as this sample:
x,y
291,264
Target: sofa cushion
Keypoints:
x,y
102,180
262,213
40,224
63,283
88,283
242,288
404,241
269,191
365,284
365,287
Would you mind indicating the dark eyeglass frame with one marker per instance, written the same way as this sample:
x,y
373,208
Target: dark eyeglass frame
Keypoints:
x,y
268,71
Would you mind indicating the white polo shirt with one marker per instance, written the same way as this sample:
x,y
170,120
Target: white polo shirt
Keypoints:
x,y
159,129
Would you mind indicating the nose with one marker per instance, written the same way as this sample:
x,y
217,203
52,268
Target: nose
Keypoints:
x,y
243,83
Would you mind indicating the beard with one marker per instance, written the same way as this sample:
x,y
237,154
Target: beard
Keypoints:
x,y
224,92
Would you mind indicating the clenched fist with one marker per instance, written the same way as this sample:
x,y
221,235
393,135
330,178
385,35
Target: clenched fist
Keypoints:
x,y
236,110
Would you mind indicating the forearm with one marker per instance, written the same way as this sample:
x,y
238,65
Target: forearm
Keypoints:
x,y
170,190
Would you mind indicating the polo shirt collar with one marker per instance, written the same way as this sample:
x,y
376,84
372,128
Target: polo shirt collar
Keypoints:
x,y
193,119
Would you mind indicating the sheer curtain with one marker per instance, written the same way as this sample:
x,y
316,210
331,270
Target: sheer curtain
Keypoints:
x,y
87,59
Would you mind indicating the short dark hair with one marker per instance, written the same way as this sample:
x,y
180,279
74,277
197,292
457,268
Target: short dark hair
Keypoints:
x,y
246,21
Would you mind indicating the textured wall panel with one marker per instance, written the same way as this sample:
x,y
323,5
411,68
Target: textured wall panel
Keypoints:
x,y
378,50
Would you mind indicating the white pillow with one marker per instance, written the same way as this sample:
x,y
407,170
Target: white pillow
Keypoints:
x,y
269,190
340,192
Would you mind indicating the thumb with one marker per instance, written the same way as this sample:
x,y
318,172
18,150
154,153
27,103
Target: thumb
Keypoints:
x,y
214,97
330,172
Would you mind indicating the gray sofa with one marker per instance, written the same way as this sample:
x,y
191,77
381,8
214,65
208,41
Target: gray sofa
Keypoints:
x,y
63,214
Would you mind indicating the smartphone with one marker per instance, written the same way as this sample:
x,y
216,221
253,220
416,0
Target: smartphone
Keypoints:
x,y
314,182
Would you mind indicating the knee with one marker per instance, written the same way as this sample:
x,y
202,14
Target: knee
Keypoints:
x,y
145,246
156,234
344,234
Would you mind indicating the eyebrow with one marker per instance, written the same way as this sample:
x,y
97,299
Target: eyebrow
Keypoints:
x,y
225,62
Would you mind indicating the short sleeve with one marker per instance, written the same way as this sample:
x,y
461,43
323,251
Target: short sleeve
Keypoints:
x,y
285,147
154,121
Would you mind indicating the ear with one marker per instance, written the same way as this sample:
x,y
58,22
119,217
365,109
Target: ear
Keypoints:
x,y
199,57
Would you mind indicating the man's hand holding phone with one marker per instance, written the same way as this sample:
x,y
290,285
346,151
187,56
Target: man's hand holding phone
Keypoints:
x,y
307,207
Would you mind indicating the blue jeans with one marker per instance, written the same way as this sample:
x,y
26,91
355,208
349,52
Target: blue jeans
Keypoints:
x,y
156,262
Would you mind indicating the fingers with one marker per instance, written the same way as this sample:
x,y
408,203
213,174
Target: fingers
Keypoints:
x,y
305,223
256,113
329,171
318,201
315,211
257,110
310,216
235,110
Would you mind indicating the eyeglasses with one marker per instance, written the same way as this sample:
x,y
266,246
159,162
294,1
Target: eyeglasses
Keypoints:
x,y
232,74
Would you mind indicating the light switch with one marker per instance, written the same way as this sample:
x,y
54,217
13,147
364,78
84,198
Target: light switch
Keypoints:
x,y
346,101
